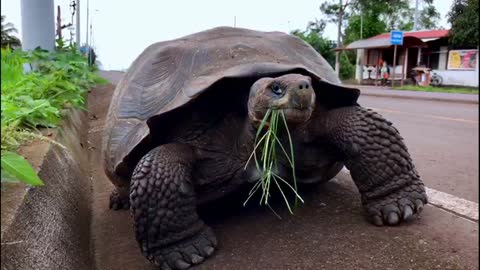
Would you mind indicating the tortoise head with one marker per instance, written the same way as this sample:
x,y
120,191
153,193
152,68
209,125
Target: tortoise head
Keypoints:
x,y
292,93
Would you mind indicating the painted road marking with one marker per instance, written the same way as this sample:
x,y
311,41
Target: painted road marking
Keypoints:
x,y
453,204
426,115
448,202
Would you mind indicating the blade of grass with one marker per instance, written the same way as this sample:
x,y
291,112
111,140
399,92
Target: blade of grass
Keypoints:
x,y
284,197
291,155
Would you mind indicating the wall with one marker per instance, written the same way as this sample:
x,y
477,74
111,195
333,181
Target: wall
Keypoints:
x,y
48,227
459,77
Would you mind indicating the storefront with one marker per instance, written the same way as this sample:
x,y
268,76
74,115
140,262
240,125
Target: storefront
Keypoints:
x,y
456,66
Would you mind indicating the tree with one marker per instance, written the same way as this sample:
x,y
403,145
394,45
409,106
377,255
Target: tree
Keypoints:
x,y
322,45
464,20
313,36
7,30
429,17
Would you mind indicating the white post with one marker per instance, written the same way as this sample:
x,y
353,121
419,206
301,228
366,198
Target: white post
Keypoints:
x,y
38,24
359,66
419,56
405,74
77,27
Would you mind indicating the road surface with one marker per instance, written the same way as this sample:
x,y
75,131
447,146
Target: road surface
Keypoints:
x,y
442,138
329,231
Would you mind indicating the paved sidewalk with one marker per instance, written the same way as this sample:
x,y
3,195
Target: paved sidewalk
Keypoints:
x,y
382,91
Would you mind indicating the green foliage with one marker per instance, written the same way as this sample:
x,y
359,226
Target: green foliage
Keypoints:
x,y
268,162
464,19
322,45
372,26
378,17
7,37
347,69
16,167
429,17
38,98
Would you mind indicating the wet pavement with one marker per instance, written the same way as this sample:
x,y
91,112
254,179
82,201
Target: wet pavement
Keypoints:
x,y
328,232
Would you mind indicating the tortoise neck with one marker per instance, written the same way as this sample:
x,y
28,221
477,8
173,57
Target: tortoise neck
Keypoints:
x,y
246,139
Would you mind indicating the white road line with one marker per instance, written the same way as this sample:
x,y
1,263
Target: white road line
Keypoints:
x,y
453,204
426,115
448,202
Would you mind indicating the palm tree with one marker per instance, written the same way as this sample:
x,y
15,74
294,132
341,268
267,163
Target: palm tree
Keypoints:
x,y
8,39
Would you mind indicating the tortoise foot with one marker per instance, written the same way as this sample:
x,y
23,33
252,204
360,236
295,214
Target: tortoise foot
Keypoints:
x,y
398,206
185,253
119,201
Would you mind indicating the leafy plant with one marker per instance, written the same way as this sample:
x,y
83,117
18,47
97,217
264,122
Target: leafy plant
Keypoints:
x,y
7,37
268,162
38,99
463,17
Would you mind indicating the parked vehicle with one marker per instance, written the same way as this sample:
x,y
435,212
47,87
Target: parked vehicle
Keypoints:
x,y
435,79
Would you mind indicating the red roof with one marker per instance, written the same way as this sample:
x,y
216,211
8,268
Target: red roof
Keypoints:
x,y
418,34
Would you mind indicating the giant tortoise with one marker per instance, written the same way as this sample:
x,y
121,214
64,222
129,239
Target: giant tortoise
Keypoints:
x,y
182,123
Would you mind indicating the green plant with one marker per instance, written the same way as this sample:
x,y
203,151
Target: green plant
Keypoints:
x,y
347,69
37,99
268,162
7,37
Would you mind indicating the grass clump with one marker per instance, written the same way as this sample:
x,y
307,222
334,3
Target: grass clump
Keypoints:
x,y
269,144
443,89
38,99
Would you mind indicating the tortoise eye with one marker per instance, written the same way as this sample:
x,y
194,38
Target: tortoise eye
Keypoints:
x,y
276,89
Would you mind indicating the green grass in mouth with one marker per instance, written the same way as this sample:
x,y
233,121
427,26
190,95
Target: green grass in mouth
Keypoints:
x,y
268,143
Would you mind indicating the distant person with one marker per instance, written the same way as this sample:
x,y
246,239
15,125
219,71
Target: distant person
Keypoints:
x,y
384,73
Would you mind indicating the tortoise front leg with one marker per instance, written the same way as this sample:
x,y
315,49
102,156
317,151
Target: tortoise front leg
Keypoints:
x,y
162,198
378,160
119,198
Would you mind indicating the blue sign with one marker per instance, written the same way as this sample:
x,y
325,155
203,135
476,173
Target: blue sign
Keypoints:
x,y
396,37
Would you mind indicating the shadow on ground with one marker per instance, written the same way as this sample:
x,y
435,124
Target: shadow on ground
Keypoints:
x,y
328,232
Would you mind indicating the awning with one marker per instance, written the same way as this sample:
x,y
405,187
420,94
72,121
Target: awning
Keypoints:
x,y
370,43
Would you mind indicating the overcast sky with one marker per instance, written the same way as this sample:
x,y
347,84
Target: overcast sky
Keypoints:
x,y
123,28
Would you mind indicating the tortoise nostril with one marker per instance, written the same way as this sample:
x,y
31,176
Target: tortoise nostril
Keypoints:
x,y
303,85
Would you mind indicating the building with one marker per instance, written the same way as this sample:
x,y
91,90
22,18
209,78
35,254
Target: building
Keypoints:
x,y
457,66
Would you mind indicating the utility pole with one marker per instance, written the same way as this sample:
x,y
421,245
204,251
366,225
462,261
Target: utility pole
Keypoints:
x,y
234,21
77,27
415,20
339,33
361,23
38,24
59,23
88,15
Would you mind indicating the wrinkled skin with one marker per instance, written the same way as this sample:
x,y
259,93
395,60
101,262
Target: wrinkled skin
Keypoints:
x,y
172,179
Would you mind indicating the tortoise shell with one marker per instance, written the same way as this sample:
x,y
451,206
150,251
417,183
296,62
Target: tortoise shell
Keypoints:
x,y
168,75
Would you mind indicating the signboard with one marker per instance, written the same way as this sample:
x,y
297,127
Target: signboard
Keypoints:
x,y
462,59
396,37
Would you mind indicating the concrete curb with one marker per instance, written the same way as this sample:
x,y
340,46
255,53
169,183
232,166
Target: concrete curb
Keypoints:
x,y
464,101
48,227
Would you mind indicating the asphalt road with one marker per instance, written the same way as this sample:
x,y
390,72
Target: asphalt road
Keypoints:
x,y
442,138
329,231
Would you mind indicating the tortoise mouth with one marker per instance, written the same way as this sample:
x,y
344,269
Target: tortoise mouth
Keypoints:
x,y
297,115
293,115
